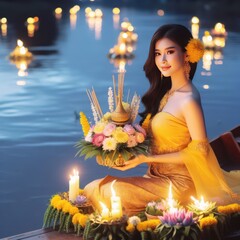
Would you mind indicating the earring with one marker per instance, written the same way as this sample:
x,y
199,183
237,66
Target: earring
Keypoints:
x,y
187,69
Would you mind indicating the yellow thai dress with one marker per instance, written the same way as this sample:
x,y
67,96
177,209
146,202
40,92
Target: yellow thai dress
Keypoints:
x,y
199,175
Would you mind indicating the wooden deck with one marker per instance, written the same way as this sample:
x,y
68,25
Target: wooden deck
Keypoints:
x,y
43,234
50,234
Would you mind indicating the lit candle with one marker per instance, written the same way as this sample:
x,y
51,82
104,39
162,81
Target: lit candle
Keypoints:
x,y
115,204
73,186
105,210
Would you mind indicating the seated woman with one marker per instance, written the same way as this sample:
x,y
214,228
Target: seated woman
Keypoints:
x,y
180,152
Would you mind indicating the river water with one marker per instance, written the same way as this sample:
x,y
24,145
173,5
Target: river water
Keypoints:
x,y
38,111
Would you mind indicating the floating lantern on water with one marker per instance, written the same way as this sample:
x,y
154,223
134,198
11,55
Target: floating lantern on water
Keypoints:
x,y
89,13
58,13
195,26
3,23
219,30
74,10
121,50
207,40
32,24
20,52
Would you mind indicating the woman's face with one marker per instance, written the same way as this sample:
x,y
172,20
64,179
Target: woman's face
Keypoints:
x,y
169,58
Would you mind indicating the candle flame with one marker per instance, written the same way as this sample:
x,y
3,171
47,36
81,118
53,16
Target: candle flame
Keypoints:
x,y
19,43
75,174
200,204
103,205
112,189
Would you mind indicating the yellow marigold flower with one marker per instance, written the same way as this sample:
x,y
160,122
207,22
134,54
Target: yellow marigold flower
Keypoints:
x,y
99,127
73,210
149,224
146,121
82,220
120,137
207,221
195,50
75,218
66,207
84,123
130,227
59,205
228,209
55,199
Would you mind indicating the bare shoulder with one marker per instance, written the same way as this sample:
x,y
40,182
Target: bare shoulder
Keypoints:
x,y
190,96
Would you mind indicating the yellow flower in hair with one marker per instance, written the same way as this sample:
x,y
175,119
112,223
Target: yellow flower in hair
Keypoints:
x,y
195,50
207,221
84,123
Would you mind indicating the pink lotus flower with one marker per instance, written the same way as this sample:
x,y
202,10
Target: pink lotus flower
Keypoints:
x,y
180,217
98,139
109,128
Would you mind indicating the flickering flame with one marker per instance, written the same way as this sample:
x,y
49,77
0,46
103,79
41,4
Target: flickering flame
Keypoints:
x,y
103,205
200,204
19,43
170,196
112,189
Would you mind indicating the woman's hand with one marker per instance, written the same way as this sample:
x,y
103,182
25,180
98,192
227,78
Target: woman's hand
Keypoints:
x,y
132,163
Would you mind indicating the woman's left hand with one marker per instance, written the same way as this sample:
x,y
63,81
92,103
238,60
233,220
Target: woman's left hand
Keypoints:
x,y
131,163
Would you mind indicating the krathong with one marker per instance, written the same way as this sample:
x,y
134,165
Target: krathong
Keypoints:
x,y
201,207
20,52
114,137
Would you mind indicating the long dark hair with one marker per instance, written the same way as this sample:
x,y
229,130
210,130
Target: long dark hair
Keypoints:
x,y
159,84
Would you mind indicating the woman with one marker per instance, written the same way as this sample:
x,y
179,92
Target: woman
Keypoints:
x,y
180,152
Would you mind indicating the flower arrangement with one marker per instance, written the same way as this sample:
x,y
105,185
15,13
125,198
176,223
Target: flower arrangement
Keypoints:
x,y
114,137
66,215
195,50
172,223
157,208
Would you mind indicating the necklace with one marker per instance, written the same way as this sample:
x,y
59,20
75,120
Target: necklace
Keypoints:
x,y
168,94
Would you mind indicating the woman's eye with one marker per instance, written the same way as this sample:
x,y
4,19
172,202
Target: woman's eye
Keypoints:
x,y
157,54
170,52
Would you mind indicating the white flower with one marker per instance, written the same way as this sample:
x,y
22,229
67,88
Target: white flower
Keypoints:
x,y
109,144
88,137
134,220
